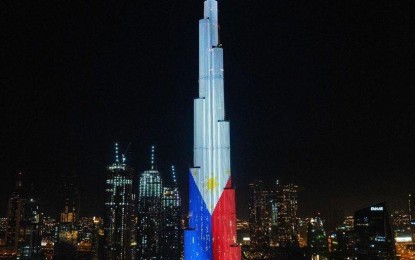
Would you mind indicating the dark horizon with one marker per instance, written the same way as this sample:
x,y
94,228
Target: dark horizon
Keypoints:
x,y
314,92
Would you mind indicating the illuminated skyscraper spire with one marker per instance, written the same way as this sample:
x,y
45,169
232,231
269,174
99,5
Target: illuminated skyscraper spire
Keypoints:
x,y
173,172
152,157
116,154
212,218
119,208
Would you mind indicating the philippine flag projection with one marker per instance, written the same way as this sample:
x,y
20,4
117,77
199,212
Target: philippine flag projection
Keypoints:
x,y
212,217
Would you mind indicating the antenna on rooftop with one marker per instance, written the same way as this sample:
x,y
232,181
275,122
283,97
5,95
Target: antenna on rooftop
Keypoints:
x,y
152,159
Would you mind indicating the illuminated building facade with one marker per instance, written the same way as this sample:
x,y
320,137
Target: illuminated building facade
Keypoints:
x,y
411,213
273,217
317,239
343,239
90,238
171,231
149,215
212,216
119,207
67,233
3,229
22,227
48,229
15,217
259,217
401,226
374,238
284,220
31,247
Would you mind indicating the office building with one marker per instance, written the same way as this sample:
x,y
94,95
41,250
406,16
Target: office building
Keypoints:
x,y
273,217
119,209
374,238
317,239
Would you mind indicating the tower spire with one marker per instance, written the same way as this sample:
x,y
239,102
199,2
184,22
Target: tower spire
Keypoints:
x,y
117,160
152,157
173,172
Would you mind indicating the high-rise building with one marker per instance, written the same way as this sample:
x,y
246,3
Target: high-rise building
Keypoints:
x,y
212,214
67,233
23,223
411,213
317,239
401,226
342,240
284,220
3,230
374,238
90,238
259,217
171,214
119,207
15,217
48,232
149,212
273,216
31,247
159,233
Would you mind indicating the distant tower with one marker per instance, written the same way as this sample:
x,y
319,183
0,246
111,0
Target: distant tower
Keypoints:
x,y
149,212
32,227
212,213
65,246
317,239
119,208
374,239
259,217
15,217
23,223
171,233
284,217
273,215
411,212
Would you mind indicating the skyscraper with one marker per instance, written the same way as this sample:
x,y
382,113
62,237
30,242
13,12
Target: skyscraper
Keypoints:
x,y
171,233
273,217
31,225
212,217
119,208
284,218
149,211
23,223
67,237
317,239
15,217
259,217
374,238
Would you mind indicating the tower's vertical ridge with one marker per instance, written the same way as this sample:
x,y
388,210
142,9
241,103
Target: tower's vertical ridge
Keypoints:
x,y
212,217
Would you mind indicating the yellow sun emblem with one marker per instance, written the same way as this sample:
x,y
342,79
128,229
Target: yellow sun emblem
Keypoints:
x,y
211,184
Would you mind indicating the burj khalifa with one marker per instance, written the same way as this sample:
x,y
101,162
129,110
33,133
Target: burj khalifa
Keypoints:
x,y
212,218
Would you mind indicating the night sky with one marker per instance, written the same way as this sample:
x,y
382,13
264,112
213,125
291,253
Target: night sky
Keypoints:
x,y
316,93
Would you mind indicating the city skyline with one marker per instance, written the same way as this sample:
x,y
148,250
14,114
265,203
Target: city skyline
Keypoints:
x,y
312,101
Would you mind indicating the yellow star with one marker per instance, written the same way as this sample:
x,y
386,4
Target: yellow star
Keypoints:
x,y
211,184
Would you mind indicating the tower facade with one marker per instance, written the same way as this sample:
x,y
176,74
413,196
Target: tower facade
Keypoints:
x,y
15,217
149,215
212,217
119,208
67,234
374,239
171,234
